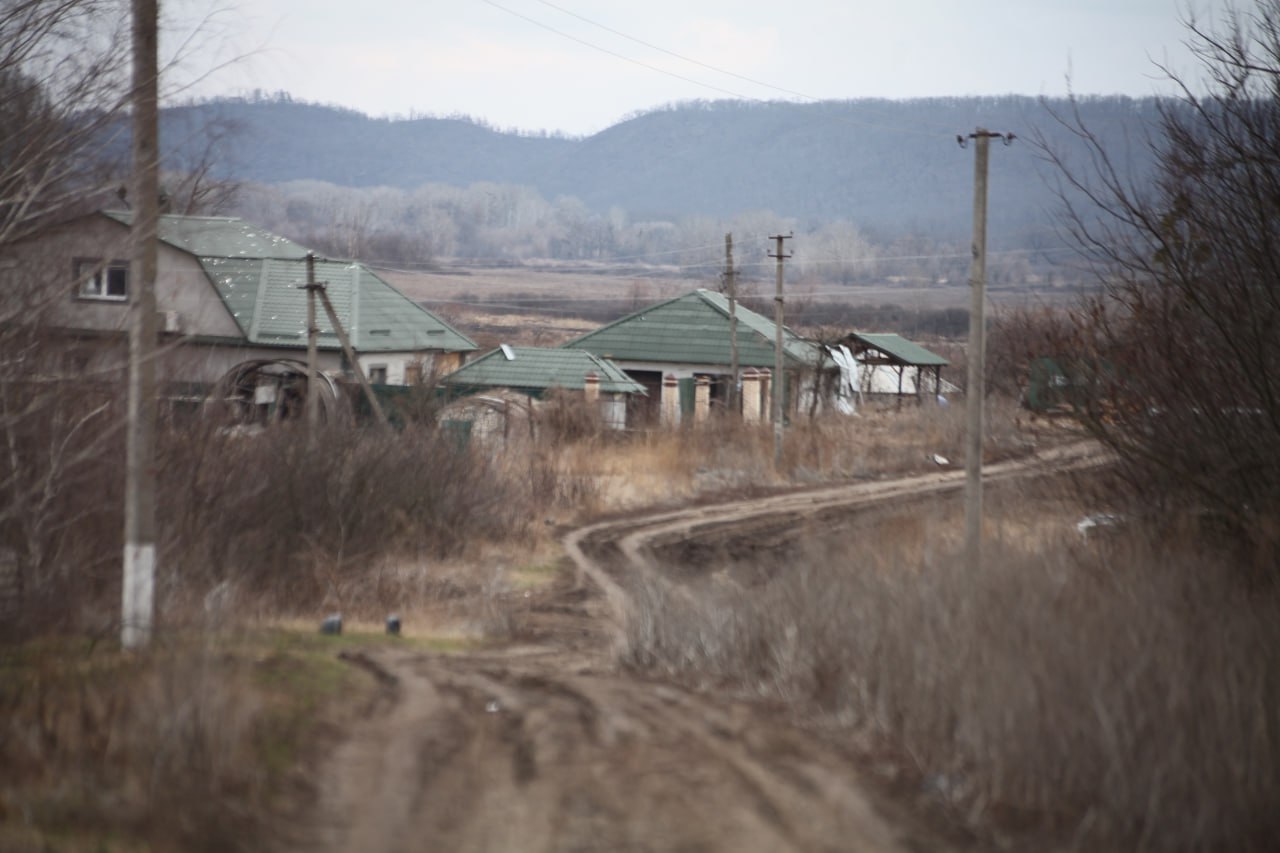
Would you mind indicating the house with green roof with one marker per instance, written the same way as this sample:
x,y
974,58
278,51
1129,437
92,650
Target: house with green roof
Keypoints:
x,y
227,293
537,371
688,339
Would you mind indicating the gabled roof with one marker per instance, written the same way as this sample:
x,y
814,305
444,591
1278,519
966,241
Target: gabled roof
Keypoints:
x,y
258,274
534,370
897,349
219,236
694,329
264,297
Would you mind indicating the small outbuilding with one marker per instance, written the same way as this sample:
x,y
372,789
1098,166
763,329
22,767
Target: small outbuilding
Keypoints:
x,y
893,365
535,371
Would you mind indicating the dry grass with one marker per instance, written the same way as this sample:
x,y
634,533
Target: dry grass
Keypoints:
x,y
169,750
609,472
1122,695
199,745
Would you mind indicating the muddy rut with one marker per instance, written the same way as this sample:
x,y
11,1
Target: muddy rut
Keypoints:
x,y
548,746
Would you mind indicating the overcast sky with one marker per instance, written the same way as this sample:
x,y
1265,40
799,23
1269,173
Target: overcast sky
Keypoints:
x,y
578,66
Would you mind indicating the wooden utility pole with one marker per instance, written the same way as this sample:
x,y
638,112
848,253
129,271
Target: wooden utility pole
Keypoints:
x,y
138,593
776,387
313,356
975,392
350,351
732,281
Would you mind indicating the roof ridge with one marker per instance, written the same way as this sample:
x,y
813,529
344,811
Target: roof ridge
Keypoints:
x,y
633,315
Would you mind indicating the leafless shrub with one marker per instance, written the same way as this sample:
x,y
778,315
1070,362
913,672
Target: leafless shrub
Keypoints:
x,y
1175,364
565,416
1016,338
297,519
59,514
1119,696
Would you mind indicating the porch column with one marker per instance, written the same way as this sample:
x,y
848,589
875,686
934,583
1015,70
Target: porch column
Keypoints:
x,y
702,399
766,391
591,387
614,409
670,400
750,396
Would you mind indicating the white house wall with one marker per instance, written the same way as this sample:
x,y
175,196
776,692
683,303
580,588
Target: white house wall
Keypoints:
x,y
182,289
397,364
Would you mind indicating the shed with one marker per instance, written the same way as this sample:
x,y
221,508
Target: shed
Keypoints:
x,y
915,369
533,371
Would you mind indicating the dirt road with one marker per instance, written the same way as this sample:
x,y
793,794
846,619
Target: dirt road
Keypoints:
x,y
548,746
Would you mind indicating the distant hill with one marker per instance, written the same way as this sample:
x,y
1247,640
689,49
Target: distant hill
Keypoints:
x,y
888,166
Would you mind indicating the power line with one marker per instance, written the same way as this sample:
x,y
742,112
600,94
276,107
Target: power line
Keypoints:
x,y
625,58
617,55
681,57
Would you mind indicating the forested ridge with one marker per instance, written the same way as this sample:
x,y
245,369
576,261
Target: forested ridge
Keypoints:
x,y
889,167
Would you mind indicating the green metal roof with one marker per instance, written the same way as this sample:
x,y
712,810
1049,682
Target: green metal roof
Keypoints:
x,y
899,349
264,297
219,236
694,329
534,369
257,274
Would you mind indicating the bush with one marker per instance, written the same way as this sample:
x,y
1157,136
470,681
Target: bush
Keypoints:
x,y
1176,362
302,523
1121,695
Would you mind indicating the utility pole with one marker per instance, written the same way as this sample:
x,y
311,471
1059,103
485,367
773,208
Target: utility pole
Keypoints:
x,y
138,592
975,391
732,282
776,387
313,356
350,353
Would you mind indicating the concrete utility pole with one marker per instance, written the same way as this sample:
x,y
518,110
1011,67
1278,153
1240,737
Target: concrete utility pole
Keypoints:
x,y
313,356
778,383
975,392
138,594
732,281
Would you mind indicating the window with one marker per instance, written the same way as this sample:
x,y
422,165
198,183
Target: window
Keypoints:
x,y
106,280
377,374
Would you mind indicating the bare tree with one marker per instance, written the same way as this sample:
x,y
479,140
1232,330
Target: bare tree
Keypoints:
x,y
63,87
63,84
193,181
1177,359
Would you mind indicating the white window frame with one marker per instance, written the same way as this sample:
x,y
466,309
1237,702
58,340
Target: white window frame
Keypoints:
x,y
95,277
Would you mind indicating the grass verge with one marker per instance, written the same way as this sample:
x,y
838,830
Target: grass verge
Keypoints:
x,y
204,743
1112,693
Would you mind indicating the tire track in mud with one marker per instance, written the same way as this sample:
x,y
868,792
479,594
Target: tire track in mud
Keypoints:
x,y
610,552
489,753
551,747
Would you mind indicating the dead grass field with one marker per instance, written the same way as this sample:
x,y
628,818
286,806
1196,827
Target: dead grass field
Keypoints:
x,y
540,305
986,697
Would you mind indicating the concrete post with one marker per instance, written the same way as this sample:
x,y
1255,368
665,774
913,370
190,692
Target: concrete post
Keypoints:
x,y
670,400
138,589
614,411
591,387
766,392
750,396
702,399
